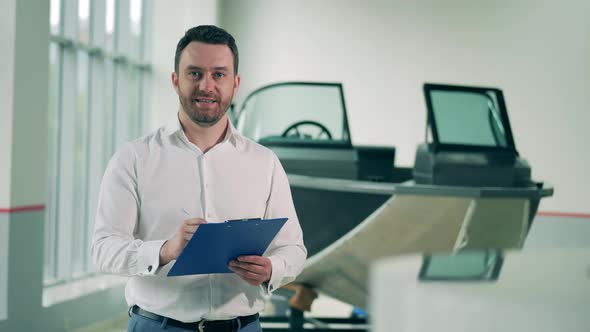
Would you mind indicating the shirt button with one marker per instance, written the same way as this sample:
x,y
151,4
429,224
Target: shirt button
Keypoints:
x,y
150,268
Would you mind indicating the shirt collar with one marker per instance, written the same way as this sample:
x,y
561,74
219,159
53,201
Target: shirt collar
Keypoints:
x,y
231,135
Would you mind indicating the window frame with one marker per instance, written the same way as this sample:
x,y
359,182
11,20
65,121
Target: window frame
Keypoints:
x,y
87,121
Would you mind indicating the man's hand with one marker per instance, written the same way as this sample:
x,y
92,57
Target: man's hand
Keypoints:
x,y
173,247
253,269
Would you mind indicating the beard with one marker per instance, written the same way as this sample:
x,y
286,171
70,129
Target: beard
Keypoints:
x,y
205,116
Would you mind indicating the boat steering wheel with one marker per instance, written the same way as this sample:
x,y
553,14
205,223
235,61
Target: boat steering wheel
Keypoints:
x,y
293,130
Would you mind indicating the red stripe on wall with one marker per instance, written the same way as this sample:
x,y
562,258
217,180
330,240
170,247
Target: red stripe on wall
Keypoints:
x,y
563,214
41,207
29,208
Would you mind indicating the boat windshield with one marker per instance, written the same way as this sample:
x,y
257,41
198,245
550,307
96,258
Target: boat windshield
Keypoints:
x,y
297,113
470,265
468,116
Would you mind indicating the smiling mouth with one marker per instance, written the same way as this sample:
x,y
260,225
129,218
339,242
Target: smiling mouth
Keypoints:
x,y
207,101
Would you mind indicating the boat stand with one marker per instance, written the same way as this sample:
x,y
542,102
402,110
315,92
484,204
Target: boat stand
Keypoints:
x,y
301,301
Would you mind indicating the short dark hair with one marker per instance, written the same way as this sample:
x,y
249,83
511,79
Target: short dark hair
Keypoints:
x,y
208,34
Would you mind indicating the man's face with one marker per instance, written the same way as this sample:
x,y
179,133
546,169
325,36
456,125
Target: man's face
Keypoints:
x,y
205,82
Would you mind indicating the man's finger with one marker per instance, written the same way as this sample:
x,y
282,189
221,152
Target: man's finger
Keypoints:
x,y
258,269
195,221
246,274
190,229
258,260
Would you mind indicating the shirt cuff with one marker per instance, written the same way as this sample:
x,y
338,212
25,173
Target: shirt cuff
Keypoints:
x,y
148,260
278,271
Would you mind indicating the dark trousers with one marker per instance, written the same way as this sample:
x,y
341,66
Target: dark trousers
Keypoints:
x,y
141,324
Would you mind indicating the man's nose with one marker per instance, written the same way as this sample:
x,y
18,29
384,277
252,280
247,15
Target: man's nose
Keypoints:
x,y
206,84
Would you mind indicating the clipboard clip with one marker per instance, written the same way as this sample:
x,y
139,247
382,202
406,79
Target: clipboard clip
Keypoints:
x,y
244,219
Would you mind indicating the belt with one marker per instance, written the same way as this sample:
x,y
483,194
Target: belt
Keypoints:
x,y
230,325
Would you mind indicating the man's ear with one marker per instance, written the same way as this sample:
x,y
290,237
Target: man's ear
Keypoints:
x,y
236,83
174,78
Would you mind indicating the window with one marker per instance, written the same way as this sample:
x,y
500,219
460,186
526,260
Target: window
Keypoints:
x,y
96,85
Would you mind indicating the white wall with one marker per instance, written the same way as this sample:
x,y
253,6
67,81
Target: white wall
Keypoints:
x,y
384,50
23,153
170,21
7,33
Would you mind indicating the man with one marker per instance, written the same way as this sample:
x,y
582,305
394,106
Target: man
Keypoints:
x,y
197,165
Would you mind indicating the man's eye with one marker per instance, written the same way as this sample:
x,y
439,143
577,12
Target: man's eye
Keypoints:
x,y
219,75
194,74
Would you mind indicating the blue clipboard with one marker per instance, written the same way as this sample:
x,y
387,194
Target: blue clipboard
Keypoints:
x,y
213,246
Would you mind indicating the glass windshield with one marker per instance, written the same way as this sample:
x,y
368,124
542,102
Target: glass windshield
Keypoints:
x,y
468,118
481,265
300,112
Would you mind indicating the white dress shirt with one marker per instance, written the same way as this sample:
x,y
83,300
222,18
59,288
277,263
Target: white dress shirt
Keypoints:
x,y
147,185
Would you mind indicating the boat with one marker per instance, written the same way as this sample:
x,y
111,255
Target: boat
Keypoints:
x,y
468,189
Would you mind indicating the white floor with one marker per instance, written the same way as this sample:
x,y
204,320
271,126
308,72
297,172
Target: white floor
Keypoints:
x,y
323,306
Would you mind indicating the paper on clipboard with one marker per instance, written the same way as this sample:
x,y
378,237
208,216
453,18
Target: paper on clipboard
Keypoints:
x,y
214,245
